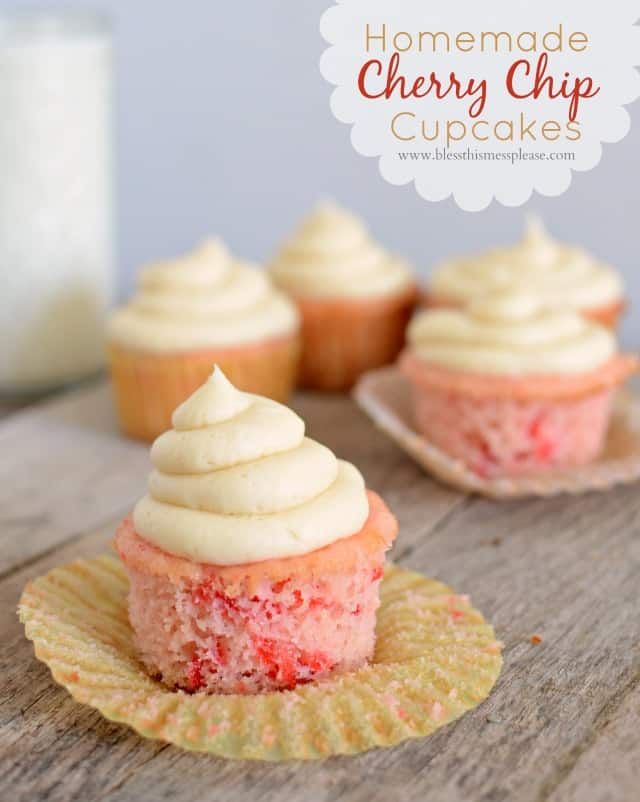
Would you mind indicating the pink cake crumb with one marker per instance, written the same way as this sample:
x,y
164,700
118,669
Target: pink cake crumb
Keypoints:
x,y
507,433
511,438
260,627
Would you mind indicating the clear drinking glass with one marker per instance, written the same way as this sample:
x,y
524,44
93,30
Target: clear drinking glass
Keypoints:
x,y
56,220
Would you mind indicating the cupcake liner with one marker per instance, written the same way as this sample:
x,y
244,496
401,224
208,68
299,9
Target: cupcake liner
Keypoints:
x,y
436,657
385,395
148,387
343,338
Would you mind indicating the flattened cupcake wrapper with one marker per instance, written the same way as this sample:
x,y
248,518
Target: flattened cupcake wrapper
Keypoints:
x,y
386,397
436,657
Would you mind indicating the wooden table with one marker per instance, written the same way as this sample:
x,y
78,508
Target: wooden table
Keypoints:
x,y
563,723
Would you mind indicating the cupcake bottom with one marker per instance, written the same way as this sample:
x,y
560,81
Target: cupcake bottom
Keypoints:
x,y
511,427
607,314
148,387
343,338
258,627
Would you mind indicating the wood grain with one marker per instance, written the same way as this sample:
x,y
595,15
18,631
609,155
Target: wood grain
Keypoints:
x,y
608,768
62,475
562,724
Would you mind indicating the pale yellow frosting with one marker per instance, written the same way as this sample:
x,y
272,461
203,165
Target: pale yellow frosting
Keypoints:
x,y
205,298
237,481
555,273
510,334
331,255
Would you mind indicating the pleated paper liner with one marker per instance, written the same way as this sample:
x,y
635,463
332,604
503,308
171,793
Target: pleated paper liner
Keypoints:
x,y
147,387
436,658
385,396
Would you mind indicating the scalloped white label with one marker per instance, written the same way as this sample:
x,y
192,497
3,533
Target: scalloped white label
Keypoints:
x,y
479,102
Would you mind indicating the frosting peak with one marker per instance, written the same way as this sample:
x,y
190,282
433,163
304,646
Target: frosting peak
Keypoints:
x,y
205,298
330,220
215,401
236,481
331,254
510,334
537,247
554,273
203,267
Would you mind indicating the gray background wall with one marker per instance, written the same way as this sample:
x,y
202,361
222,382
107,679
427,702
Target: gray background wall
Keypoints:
x,y
223,125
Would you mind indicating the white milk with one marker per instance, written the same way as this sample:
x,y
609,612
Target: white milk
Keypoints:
x,y
56,265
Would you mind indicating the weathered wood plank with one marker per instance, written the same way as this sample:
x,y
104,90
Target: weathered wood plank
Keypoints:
x,y
567,570
607,767
58,481
50,747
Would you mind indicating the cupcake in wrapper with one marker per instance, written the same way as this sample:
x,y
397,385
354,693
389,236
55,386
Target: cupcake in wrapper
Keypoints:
x,y
511,388
354,298
435,658
203,309
551,272
255,560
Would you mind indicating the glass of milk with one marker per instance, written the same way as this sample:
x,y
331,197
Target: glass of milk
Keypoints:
x,y
56,238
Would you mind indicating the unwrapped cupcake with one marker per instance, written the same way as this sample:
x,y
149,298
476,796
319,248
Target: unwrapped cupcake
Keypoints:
x,y
551,272
512,388
355,298
203,308
256,558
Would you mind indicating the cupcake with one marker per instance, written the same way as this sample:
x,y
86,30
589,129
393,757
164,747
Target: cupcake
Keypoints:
x,y
203,308
255,559
511,388
551,272
355,299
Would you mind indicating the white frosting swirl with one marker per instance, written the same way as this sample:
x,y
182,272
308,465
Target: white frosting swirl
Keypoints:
x,y
236,481
553,272
205,298
331,255
510,334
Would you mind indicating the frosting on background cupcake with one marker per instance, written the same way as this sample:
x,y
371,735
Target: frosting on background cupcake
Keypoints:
x,y
331,254
236,481
554,272
204,298
510,333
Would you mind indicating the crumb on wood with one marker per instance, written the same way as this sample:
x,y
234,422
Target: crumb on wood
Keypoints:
x,y
536,639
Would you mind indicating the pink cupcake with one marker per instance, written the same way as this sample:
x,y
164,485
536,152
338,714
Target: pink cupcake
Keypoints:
x,y
510,388
256,558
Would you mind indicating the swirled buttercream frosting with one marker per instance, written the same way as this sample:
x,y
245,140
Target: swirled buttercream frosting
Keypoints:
x,y
510,334
205,298
236,481
332,255
554,272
